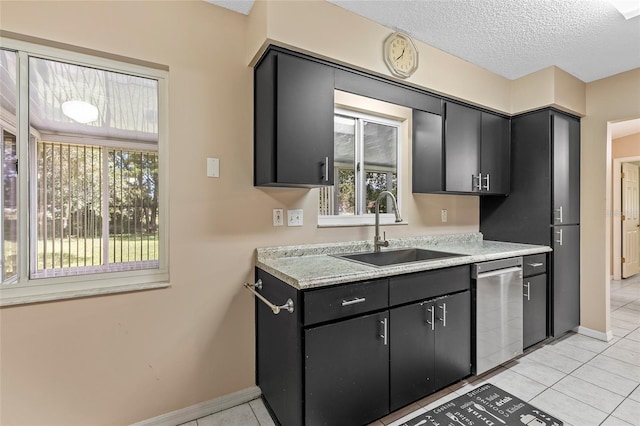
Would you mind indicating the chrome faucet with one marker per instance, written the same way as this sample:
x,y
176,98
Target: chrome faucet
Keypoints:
x,y
377,241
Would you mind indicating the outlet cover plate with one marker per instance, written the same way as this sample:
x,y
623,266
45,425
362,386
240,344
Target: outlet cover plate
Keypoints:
x,y
294,217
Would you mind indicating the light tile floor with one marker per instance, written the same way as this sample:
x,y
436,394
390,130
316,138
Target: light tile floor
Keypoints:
x,y
581,380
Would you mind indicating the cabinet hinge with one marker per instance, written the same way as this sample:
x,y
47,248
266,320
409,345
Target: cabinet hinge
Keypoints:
x,y
622,175
624,260
623,217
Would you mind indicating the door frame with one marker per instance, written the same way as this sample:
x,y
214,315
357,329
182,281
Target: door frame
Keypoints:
x,y
616,247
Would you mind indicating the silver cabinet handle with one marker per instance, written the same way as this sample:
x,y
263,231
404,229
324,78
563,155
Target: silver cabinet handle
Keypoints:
x,y
559,240
535,265
478,185
444,314
559,218
528,287
432,323
384,331
326,169
353,301
487,179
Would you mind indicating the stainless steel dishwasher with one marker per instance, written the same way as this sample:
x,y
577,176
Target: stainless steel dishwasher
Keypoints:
x,y
498,312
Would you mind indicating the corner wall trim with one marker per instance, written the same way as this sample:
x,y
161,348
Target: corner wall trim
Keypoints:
x,y
203,409
605,337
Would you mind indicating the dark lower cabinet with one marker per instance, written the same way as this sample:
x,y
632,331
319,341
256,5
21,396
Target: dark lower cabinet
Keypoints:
x,y
412,357
566,278
347,371
430,347
453,338
534,309
350,354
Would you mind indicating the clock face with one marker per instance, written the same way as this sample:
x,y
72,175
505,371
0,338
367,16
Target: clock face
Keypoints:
x,y
400,55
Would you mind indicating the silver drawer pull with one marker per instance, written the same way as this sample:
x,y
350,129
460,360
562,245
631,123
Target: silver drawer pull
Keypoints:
x,y
535,265
353,301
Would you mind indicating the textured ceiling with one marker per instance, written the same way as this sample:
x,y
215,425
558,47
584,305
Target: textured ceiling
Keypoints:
x,y
587,38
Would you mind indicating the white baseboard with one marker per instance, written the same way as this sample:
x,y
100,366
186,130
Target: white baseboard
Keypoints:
x,y
203,409
605,337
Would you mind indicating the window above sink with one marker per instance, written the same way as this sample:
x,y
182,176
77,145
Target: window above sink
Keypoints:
x,y
371,141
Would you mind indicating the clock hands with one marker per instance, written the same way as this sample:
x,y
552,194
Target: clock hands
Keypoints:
x,y
401,55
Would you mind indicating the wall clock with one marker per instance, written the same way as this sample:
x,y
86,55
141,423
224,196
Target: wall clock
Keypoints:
x,y
400,54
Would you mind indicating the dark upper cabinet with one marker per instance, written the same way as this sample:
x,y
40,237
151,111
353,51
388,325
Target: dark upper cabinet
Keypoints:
x,y
293,122
462,148
495,154
566,170
427,152
347,371
469,155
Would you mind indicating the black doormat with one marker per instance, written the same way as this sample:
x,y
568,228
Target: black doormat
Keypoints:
x,y
486,405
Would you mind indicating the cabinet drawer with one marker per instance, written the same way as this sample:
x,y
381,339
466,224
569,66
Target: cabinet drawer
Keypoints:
x,y
351,299
534,264
425,285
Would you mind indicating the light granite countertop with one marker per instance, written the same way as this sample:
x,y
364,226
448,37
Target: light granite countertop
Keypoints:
x,y
315,265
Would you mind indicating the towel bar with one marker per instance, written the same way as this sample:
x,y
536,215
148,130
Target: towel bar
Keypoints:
x,y
275,308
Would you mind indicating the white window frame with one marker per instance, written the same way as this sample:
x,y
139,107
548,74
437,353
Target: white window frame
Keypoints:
x,y
27,290
369,219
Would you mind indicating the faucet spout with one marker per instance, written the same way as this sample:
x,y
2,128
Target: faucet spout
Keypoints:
x,y
377,241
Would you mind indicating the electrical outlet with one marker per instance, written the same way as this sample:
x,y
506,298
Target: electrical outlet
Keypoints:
x,y
444,215
294,217
278,217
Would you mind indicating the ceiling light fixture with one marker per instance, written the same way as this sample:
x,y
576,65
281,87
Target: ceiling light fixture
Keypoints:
x,y
80,111
628,8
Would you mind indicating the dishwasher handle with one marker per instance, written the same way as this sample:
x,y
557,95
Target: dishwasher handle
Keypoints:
x,y
498,272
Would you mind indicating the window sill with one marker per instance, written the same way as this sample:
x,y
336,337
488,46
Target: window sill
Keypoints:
x,y
13,294
360,222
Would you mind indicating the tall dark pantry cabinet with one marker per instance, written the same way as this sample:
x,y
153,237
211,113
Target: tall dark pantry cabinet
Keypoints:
x,y
544,205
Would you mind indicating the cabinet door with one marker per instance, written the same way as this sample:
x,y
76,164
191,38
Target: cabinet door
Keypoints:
x,y
427,152
495,154
534,309
566,170
304,121
411,358
347,371
452,338
566,278
462,148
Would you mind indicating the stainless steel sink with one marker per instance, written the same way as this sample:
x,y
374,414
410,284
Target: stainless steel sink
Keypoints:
x,y
394,257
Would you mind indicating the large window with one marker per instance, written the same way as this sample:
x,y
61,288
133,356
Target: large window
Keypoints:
x,y
82,165
365,164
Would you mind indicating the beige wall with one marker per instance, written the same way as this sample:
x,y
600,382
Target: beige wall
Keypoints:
x,y
626,146
123,358
611,99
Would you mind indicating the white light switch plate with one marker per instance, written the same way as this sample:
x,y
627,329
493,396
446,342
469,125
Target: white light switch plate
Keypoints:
x,y
213,167
278,217
294,217
444,215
